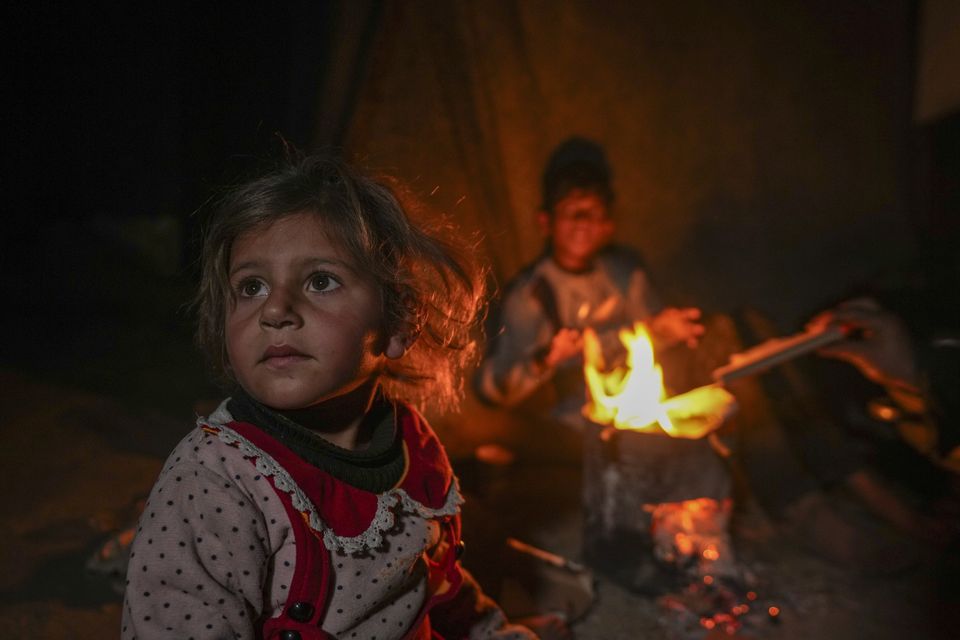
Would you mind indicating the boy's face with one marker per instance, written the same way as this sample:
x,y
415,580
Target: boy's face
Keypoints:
x,y
579,227
306,326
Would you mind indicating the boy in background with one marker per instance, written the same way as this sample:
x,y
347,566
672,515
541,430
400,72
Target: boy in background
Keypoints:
x,y
785,443
580,280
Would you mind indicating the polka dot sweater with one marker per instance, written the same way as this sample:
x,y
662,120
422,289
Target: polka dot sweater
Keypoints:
x,y
215,554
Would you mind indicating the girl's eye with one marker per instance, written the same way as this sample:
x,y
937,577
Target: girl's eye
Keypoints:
x,y
323,283
251,289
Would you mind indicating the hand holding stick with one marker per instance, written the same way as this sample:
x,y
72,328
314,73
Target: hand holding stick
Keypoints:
x,y
779,350
884,353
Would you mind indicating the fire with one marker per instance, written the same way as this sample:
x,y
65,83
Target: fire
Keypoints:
x,y
694,530
633,396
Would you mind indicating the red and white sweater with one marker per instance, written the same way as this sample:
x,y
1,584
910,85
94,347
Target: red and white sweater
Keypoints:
x,y
241,538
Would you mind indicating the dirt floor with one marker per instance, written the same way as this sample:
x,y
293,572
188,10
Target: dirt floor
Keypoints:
x,y
77,462
99,381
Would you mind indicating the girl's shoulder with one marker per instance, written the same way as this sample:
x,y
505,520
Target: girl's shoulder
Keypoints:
x,y
204,449
422,443
428,479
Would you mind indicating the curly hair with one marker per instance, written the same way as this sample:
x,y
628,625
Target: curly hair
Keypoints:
x,y
430,285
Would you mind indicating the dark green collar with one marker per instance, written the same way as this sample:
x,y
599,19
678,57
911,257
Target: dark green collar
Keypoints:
x,y
376,468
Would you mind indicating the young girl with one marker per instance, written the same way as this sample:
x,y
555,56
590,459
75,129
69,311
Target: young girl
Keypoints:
x,y
315,502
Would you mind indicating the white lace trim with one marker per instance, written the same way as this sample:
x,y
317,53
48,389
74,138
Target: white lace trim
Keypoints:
x,y
383,520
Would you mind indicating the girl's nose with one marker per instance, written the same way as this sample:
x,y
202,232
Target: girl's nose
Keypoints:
x,y
280,310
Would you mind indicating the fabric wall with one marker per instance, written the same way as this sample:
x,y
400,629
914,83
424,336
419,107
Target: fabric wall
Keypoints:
x,y
760,150
938,60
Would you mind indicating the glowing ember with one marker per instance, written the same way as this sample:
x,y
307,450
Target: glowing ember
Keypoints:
x,y
693,533
633,396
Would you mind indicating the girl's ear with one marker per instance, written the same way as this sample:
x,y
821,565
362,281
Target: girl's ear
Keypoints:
x,y
398,344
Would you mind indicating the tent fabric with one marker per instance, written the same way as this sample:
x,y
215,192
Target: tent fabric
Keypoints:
x,y
758,150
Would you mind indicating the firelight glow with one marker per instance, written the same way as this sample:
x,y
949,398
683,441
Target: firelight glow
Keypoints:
x,y
633,396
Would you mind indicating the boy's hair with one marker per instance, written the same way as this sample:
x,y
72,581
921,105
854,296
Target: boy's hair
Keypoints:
x,y
429,288
577,163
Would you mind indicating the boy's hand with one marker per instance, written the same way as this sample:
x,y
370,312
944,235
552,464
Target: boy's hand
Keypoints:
x,y
566,344
673,326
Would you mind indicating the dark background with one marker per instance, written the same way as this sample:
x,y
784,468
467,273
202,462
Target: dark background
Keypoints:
x,y
125,121
765,156
768,155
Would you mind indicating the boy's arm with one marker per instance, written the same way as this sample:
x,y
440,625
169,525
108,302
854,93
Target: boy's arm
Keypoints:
x,y
197,562
516,362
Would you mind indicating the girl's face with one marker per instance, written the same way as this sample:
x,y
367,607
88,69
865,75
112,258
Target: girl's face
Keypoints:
x,y
306,326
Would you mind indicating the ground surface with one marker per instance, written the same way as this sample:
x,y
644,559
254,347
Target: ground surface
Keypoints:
x,y
77,463
98,381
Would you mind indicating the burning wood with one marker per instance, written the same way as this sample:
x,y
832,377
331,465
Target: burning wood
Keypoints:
x,y
656,508
653,485
633,396
657,496
694,533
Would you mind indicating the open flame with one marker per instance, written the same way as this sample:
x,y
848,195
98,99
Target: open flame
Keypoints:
x,y
690,537
633,396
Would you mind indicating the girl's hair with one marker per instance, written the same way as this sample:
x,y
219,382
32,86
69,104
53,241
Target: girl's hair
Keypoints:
x,y
429,286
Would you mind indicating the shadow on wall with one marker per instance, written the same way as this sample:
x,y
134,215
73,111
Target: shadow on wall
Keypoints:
x,y
768,258
102,306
